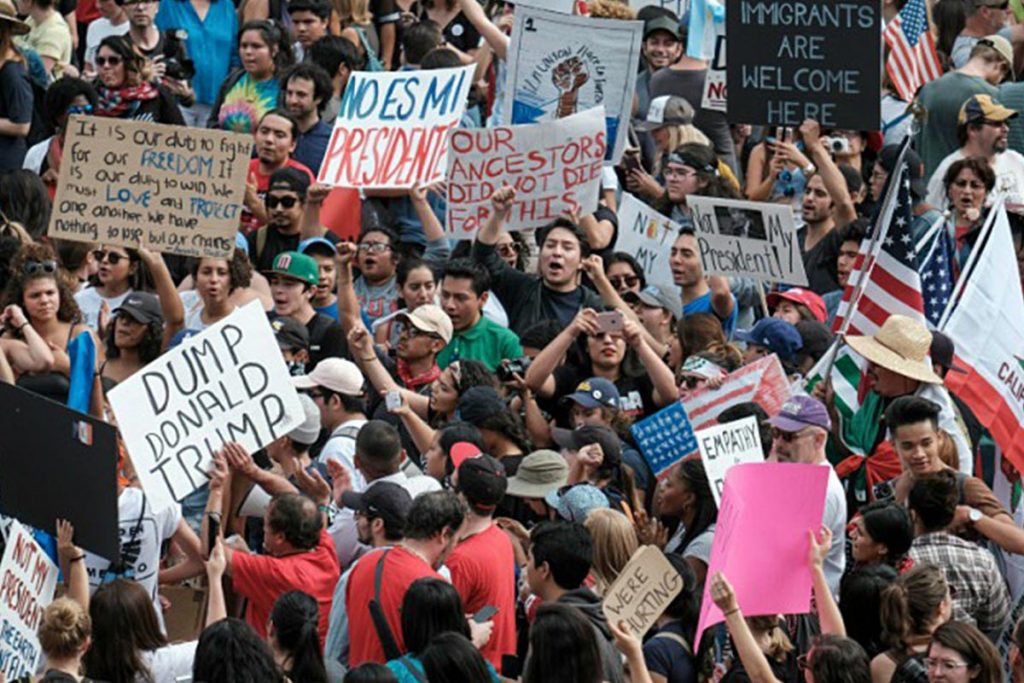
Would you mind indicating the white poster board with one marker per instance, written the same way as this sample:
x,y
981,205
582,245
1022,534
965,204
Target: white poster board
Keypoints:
x,y
29,578
554,166
228,383
647,236
392,127
747,239
560,64
723,446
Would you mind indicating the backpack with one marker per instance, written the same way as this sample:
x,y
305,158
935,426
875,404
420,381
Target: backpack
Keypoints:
x,y
373,62
911,670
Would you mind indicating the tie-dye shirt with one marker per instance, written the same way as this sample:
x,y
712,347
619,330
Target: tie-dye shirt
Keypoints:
x,y
246,103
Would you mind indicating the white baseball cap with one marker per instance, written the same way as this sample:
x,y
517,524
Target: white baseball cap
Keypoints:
x,y
337,374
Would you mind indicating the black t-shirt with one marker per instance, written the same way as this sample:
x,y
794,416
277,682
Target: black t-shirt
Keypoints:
x,y
669,658
461,33
603,213
275,244
15,105
326,340
820,261
561,306
636,394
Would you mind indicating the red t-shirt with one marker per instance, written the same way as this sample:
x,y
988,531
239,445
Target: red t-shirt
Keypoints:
x,y
249,222
483,571
401,568
262,579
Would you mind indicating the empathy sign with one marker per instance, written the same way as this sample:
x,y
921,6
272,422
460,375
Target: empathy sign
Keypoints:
x,y
723,446
747,239
647,236
228,383
392,127
28,578
642,591
665,438
168,188
767,511
553,166
805,59
559,65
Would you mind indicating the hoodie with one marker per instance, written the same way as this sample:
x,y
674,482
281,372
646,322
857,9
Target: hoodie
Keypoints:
x,y
586,601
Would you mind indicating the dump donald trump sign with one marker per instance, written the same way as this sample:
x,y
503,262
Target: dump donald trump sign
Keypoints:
x,y
28,578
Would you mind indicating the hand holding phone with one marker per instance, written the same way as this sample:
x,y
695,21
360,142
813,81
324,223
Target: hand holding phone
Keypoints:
x,y
610,322
393,400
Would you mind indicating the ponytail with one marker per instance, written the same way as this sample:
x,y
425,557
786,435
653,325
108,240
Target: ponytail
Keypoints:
x,y
296,618
910,606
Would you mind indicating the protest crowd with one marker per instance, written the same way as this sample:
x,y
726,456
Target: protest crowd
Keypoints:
x,y
468,341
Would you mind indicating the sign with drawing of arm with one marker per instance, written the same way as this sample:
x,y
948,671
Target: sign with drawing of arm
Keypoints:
x,y
560,64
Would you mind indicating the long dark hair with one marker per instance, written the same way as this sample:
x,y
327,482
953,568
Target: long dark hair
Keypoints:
x,y
149,347
452,658
973,646
692,472
67,311
136,68
563,647
230,650
860,600
274,36
296,617
430,607
124,625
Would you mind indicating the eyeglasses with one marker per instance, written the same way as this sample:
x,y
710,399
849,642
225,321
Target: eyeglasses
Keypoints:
x,y
374,247
995,124
510,249
79,109
788,437
111,257
972,184
287,202
624,281
412,332
946,665
113,60
35,267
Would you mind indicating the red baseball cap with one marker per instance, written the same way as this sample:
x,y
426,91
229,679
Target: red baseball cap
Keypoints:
x,y
801,296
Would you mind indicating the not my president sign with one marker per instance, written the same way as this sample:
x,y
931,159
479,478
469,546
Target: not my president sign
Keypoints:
x,y
790,60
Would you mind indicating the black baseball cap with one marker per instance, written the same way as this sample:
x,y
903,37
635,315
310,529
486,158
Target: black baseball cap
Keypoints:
x,y
480,403
482,481
290,333
384,499
942,351
143,307
575,439
887,159
291,179
662,23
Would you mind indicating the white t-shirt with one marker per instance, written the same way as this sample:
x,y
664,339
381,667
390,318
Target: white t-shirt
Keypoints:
x,y
341,446
89,301
170,662
142,533
834,518
98,30
1009,169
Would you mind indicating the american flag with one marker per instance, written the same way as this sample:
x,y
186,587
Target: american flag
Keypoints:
x,y
936,273
912,59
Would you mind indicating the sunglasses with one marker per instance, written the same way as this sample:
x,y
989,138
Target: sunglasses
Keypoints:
x,y
788,437
625,280
105,61
273,202
412,332
1003,6
692,382
79,109
35,267
111,257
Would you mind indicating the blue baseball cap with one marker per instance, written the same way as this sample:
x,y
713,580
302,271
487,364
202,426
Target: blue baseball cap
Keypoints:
x,y
318,244
778,336
241,243
574,503
595,392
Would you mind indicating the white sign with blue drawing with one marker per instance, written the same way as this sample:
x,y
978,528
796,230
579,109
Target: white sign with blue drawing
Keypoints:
x,y
665,438
560,64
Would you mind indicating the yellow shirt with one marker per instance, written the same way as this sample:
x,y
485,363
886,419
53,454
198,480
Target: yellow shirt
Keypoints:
x,y
51,38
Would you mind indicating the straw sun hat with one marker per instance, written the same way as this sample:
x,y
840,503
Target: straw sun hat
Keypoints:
x,y
9,14
900,345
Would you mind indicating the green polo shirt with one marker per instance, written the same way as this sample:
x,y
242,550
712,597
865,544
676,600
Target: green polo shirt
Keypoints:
x,y
486,342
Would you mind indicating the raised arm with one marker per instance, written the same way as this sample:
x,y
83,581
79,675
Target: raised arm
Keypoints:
x,y
360,344
311,224
722,301
494,36
241,462
216,605
829,616
749,651
664,382
540,375
72,564
422,434
348,303
593,266
170,302
501,205
845,211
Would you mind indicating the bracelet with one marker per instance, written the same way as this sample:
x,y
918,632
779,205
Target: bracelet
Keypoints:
x,y
368,360
732,611
76,559
23,325
213,514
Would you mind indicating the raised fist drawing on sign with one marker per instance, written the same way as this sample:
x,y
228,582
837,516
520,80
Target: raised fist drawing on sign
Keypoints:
x,y
569,76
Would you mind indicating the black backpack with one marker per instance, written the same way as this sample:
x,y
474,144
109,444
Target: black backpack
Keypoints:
x,y
911,670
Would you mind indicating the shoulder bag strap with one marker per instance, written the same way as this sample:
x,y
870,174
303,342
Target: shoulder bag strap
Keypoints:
x,y
380,621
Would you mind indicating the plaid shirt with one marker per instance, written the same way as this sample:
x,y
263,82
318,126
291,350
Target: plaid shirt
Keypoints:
x,y
979,592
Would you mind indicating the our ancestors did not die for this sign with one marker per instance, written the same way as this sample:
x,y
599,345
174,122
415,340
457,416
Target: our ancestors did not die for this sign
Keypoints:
x,y
790,60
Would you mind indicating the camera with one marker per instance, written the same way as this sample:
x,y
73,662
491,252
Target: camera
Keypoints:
x,y
836,145
513,366
179,66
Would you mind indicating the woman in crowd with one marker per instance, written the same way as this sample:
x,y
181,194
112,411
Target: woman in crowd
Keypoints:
x,y
459,33
514,249
882,533
452,658
968,183
624,273
685,495
353,21
430,608
437,461
65,629
252,90
960,653
860,602
696,333
670,123
229,650
49,35
669,648
78,260
775,171
125,89
120,273
913,607
292,634
417,285
64,98
614,543
221,285
563,647
692,169
15,91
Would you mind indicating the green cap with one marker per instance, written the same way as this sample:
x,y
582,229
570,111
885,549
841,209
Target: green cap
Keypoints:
x,y
297,265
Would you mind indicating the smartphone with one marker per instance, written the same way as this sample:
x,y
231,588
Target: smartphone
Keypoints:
x,y
610,322
212,531
485,614
393,400
631,160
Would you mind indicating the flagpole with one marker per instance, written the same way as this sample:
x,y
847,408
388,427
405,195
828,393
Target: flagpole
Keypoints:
x,y
990,221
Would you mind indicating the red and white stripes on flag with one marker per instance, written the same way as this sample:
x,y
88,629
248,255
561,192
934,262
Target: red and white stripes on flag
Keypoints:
x,y
912,58
764,382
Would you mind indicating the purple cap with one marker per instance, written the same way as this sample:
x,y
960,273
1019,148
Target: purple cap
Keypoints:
x,y
799,412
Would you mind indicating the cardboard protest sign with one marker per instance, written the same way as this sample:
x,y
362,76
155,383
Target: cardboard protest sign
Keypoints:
x,y
560,64
805,59
28,578
665,438
554,166
767,510
764,382
715,94
71,456
642,591
647,236
168,188
392,128
723,446
747,239
228,383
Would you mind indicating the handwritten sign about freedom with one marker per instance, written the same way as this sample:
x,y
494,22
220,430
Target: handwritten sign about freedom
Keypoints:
x,y
723,446
559,65
228,383
764,382
767,510
792,60
747,239
28,578
642,591
665,438
553,166
392,128
647,236
169,188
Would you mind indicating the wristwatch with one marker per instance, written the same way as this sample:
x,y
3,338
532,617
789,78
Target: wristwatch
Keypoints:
x,y
810,169
975,515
